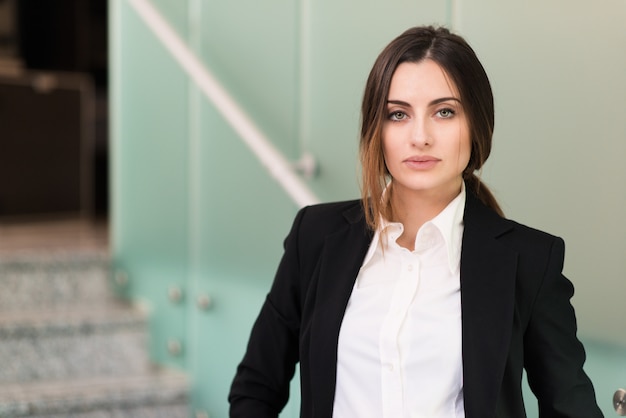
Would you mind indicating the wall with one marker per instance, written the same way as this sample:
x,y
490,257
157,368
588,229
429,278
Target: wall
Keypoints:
x,y
196,215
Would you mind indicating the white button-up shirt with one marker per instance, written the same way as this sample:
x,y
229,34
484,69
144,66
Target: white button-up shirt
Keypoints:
x,y
399,349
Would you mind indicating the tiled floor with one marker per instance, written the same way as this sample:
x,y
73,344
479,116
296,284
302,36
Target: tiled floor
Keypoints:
x,y
53,234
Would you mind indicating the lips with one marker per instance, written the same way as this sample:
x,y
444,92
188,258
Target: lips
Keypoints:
x,y
421,162
421,159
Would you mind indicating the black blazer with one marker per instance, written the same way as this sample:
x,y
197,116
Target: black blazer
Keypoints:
x,y
516,314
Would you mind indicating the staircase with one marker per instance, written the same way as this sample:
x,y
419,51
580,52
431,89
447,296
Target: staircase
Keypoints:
x,y
70,349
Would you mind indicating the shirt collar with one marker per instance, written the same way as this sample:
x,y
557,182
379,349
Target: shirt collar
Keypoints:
x,y
449,222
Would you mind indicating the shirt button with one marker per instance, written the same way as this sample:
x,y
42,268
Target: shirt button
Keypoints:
x,y
390,367
410,267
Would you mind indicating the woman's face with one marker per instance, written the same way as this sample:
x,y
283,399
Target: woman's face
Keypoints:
x,y
426,139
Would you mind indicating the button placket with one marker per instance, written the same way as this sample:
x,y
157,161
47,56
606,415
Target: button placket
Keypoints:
x,y
390,355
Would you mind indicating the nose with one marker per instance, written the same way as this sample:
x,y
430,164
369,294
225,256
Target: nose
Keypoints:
x,y
420,135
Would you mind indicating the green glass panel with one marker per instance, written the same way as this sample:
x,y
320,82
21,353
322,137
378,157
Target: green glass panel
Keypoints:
x,y
243,217
149,192
251,47
176,12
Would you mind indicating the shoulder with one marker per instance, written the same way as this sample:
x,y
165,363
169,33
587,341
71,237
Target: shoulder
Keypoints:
x,y
528,233
331,208
481,221
534,254
330,216
532,243
313,224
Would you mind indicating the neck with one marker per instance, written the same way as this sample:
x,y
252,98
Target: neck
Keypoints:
x,y
413,209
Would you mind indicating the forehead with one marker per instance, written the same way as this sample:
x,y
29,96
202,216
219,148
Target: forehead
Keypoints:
x,y
423,79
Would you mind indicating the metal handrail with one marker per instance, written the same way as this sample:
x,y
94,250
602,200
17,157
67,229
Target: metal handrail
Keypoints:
x,y
282,170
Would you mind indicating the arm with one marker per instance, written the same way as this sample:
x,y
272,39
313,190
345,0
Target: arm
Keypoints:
x,y
554,356
261,385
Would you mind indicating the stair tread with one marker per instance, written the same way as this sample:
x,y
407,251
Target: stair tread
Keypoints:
x,y
54,255
55,280
112,314
101,387
157,386
113,309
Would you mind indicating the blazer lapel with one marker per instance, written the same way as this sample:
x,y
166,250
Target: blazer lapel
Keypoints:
x,y
341,260
488,272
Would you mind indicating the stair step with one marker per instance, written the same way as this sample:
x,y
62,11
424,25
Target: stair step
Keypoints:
x,y
48,280
57,344
117,315
70,348
157,394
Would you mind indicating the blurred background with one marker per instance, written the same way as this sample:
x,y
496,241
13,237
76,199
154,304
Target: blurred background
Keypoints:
x,y
163,147
54,69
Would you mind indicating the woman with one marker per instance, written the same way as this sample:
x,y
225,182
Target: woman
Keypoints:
x,y
421,299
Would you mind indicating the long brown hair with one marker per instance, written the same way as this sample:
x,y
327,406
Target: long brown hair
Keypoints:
x,y
458,60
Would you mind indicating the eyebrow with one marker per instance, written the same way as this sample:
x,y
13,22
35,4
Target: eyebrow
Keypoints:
x,y
432,103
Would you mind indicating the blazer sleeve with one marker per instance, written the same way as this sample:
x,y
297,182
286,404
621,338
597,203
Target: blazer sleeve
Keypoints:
x,y
553,355
260,388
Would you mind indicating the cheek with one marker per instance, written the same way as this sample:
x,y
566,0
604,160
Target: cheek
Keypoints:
x,y
387,153
386,160
386,149
465,148
466,152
